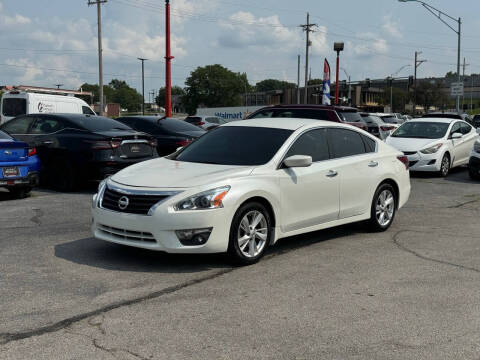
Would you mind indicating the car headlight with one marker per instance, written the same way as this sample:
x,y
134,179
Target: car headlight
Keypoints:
x,y
476,146
431,150
211,199
99,194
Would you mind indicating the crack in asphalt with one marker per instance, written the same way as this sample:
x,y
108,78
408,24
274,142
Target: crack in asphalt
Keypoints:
x,y
463,204
423,257
5,338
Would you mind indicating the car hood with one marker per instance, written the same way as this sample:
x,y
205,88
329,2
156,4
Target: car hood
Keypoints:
x,y
410,144
165,173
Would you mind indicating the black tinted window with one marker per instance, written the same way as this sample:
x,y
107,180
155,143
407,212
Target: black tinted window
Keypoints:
x,y
99,123
370,144
456,128
4,136
390,119
14,106
147,126
18,126
174,125
313,143
302,114
350,116
422,130
345,143
235,145
465,128
86,110
193,119
47,125
262,114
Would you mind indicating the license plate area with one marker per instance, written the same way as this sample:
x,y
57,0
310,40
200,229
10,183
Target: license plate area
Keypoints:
x,y
10,171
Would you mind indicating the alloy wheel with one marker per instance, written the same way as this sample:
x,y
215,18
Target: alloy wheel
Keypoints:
x,y
252,234
385,207
445,165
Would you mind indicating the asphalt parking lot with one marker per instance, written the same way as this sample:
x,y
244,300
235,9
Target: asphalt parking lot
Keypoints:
x,y
409,293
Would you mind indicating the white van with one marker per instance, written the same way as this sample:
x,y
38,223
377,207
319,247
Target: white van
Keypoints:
x,y
15,103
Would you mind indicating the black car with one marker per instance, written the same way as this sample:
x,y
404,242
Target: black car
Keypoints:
x,y
476,121
75,148
170,133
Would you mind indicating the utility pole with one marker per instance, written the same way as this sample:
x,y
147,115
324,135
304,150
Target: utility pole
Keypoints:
x,y
463,80
168,61
143,85
298,81
100,60
417,64
308,29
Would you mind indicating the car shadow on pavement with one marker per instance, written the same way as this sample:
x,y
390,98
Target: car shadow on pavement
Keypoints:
x,y
109,256
458,174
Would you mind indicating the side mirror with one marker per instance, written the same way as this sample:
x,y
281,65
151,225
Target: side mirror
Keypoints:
x,y
457,135
298,161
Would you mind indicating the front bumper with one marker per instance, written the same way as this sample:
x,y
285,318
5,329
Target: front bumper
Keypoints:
x,y
424,162
157,231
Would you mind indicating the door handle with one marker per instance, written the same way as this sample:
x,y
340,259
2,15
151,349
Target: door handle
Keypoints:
x,y
332,173
373,164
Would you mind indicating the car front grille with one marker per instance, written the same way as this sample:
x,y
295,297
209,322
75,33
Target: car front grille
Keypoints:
x,y
129,235
131,204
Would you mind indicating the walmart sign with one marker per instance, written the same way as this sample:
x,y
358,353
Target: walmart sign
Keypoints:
x,y
228,113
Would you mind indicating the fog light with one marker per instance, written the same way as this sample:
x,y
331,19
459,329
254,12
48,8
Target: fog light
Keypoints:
x,y
432,162
193,237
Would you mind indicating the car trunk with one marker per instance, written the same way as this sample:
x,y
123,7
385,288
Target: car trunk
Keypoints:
x,y
130,145
13,151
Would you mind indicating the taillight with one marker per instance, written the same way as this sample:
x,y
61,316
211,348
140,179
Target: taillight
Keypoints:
x,y
404,160
201,123
387,128
153,143
103,144
183,142
32,151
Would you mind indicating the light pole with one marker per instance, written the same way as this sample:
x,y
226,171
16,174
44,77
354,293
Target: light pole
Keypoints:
x,y
349,86
392,77
143,85
438,14
338,47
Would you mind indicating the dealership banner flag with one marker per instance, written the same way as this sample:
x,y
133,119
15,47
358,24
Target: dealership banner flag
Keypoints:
x,y
326,84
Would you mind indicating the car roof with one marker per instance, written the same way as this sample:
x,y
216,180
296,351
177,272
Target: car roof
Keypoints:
x,y
285,123
311,106
434,119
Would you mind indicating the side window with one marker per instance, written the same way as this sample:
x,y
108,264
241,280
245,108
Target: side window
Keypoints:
x,y
345,142
313,143
46,125
370,145
213,120
455,128
18,126
86,110
465,128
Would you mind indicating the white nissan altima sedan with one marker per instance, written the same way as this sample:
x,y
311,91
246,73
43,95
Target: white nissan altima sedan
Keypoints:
x,y
246,184
434,144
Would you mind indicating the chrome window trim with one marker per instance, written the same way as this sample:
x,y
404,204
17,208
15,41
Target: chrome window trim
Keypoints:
x,y
138,141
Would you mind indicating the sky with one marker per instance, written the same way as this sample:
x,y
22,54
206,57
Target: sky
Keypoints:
x,y
48,42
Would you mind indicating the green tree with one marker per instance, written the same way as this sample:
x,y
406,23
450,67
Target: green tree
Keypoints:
x,y
160,99
431,93
214,86
117,91
315,82
273,84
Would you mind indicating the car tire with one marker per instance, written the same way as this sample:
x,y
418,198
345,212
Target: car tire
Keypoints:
x,y
63,179
20,192
473,175
383,209
250,234
445,166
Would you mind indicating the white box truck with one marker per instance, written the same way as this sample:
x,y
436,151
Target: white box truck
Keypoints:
x,y
18,102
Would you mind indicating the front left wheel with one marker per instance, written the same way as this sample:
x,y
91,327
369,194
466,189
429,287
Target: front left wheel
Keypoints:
x,y
250,233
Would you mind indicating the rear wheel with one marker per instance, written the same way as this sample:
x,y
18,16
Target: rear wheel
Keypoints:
x,y
20,192
445,165
384,206
250,233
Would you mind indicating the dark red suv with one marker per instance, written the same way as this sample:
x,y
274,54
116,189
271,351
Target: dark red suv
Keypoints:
x,y
343,114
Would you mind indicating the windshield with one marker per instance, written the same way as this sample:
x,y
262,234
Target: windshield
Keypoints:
x,y
176,125
350,116
99,123
390,119
14,106
235,145
422,130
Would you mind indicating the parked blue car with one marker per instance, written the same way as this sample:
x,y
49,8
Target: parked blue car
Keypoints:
x,y
19,166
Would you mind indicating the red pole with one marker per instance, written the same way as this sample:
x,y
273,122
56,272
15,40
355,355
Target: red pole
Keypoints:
x,y
168,59
336,81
